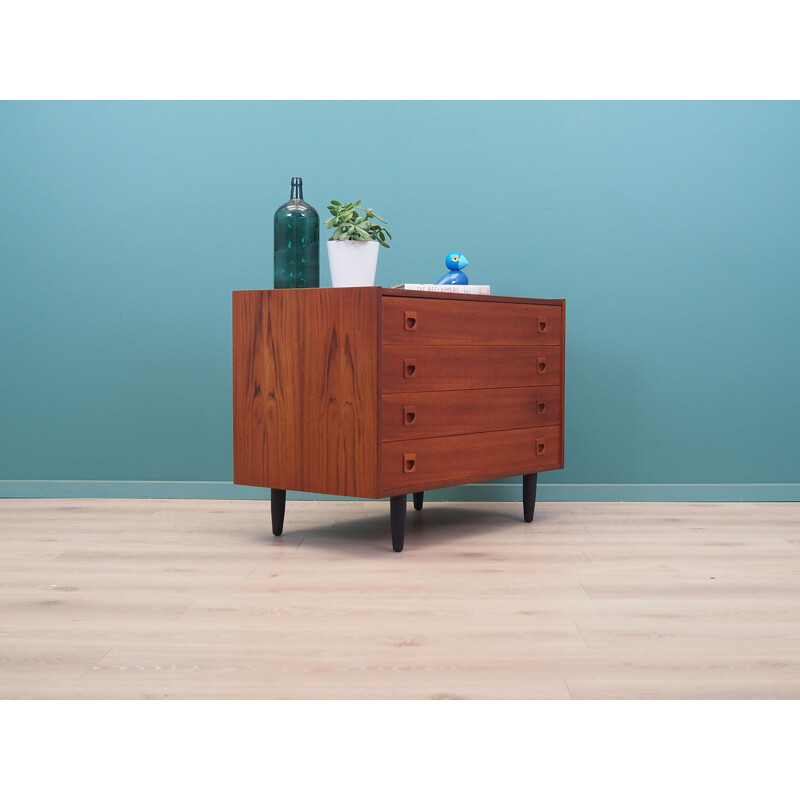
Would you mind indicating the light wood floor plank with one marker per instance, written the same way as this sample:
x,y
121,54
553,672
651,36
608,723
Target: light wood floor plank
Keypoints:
x,y
196,599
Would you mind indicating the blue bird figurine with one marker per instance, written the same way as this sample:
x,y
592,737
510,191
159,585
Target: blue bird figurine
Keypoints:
x,y
455,262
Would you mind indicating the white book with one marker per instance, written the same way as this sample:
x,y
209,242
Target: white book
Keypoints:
x,y
469,288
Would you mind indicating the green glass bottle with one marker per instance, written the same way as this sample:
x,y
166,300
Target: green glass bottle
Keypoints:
x,y
296,242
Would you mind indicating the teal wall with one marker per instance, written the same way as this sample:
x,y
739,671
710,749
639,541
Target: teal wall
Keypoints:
x,y
672,228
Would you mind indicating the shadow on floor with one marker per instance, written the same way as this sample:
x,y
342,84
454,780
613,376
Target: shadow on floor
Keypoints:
x,y
438,524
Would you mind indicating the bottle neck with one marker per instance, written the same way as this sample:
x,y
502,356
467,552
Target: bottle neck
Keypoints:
x,y
297,189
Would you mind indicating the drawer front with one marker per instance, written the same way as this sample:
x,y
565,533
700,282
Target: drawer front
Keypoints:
x,y
421,321
416,415
419,464
421,369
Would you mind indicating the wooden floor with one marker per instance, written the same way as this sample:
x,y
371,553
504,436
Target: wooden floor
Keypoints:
x,y
196,599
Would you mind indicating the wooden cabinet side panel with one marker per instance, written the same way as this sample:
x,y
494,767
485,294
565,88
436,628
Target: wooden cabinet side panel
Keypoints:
x,y
339,363
252,407
305,397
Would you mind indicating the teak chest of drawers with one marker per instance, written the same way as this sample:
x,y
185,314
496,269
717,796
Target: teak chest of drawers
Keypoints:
x,y
372,392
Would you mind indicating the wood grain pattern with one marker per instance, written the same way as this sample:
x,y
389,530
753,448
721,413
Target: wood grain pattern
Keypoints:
x,y
458,367
451,322
304,382
195,599
313,384
454,460
416,415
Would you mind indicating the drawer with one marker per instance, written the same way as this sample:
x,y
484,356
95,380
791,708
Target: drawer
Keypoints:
x,y
420,321
420,464
420,369
416,415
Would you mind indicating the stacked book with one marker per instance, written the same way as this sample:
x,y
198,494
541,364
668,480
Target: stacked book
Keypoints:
x,y
469,288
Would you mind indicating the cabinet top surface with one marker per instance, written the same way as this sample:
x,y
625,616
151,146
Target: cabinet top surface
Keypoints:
x,y
385,292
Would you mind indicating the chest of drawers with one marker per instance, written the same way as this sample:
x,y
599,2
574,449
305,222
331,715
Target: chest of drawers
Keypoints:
x,y
372,392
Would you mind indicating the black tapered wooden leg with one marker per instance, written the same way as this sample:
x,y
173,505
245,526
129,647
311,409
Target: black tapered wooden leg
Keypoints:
x,y
397,507
529,495
418,500
277,505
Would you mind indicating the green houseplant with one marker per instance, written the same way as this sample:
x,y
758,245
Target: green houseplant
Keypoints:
x,y
354,242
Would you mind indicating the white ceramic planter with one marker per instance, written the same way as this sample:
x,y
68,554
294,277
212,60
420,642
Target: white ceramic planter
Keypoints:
x,y
353,263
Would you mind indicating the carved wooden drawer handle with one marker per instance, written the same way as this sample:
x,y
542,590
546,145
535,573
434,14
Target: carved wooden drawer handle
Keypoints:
x,y
540,447
409,462
541,365
409,367
409,415
410,320
542,327
541,406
